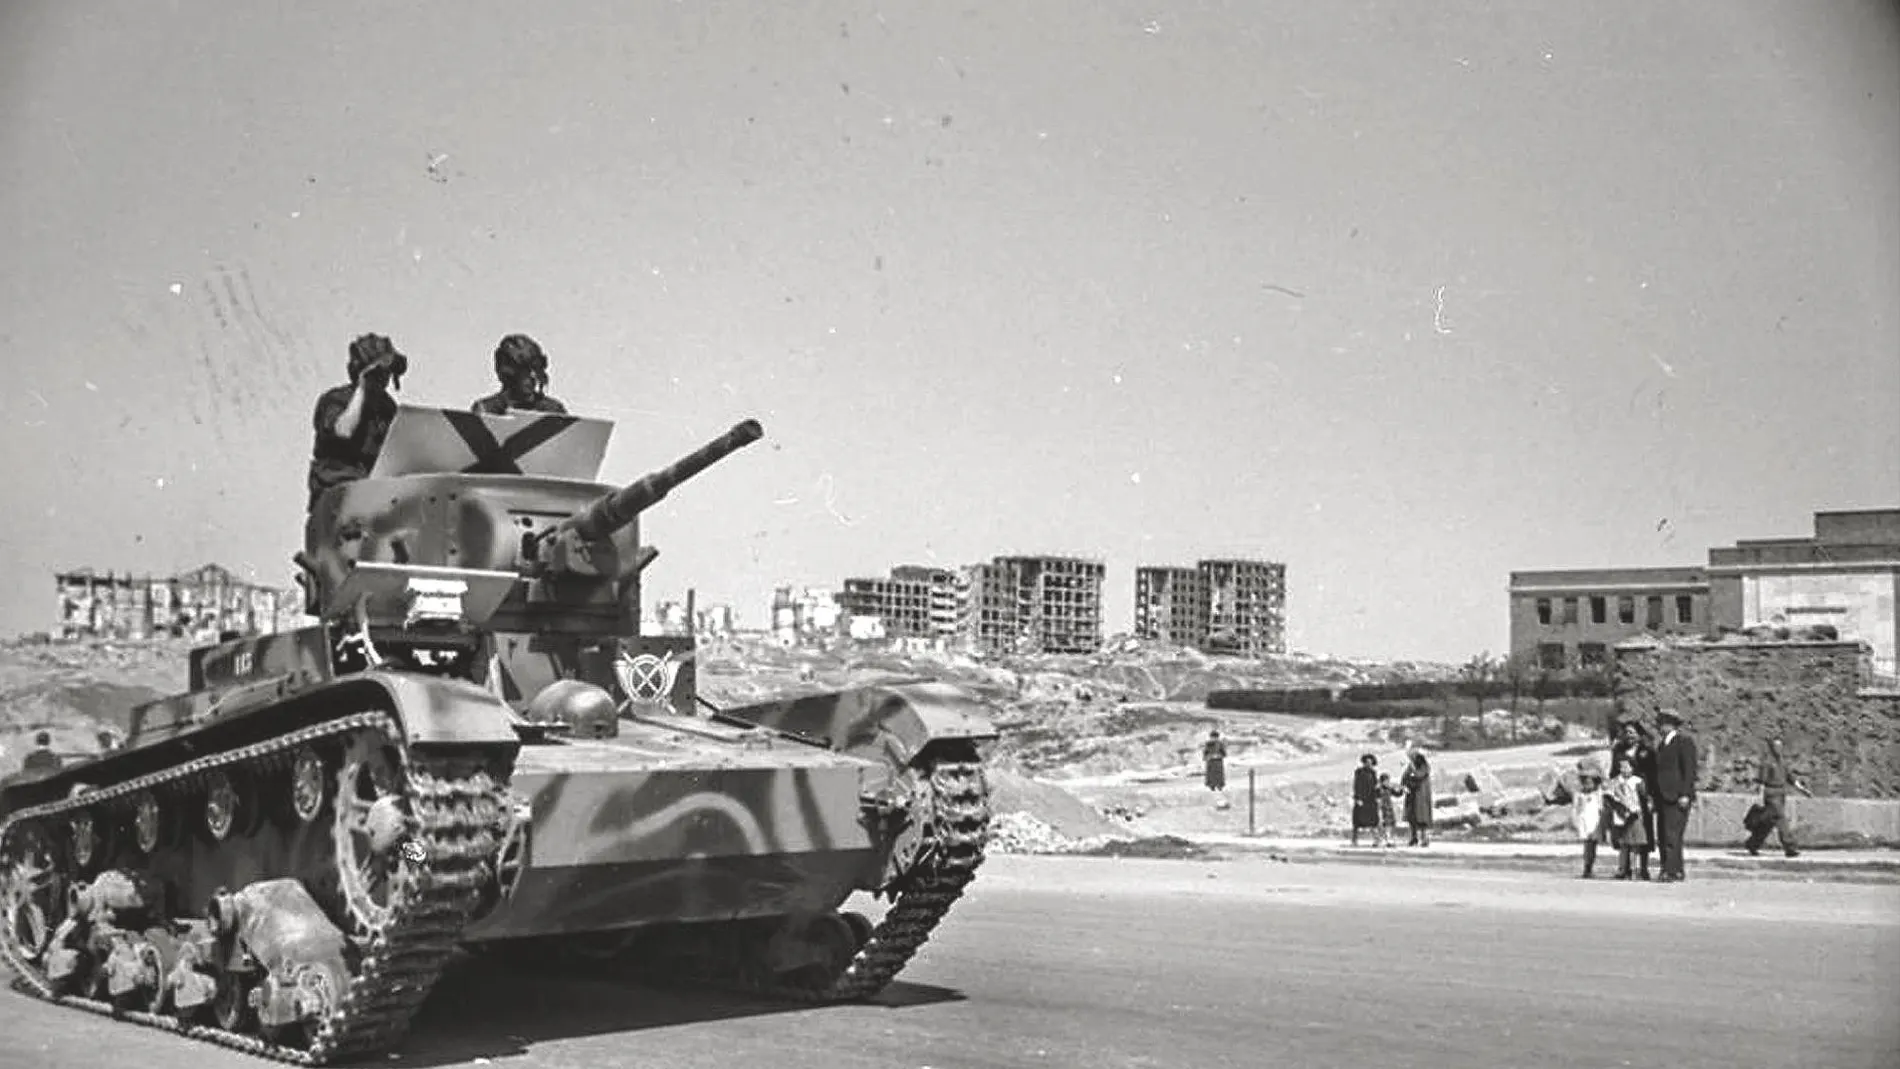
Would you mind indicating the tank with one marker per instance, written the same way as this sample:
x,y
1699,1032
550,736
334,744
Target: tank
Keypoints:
x,y
473,746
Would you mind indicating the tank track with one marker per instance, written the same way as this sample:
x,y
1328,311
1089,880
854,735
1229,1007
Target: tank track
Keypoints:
x,y
456,810
955,836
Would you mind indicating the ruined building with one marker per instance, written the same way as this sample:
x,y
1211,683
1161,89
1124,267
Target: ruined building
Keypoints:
x,y
1033,605
1235,607
198,605
810,615
913,602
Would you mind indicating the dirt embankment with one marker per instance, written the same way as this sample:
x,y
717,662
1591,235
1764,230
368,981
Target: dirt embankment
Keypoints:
x,y
74,690
1092,750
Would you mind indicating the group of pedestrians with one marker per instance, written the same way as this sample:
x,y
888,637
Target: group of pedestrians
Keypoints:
x,y
1643,804
1645,801
1377,802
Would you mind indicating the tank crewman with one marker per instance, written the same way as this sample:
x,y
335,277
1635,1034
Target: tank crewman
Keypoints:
x,y
42,758
351,421
523,370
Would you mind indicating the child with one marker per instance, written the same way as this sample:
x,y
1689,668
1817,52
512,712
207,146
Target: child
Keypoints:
x,y
1388,819
1629,801
1587,812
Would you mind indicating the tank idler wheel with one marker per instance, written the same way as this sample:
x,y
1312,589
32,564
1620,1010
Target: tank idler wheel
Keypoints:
x,y
32,895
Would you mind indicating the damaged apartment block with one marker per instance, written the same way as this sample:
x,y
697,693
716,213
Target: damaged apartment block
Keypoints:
x,y
1230,607
1009,605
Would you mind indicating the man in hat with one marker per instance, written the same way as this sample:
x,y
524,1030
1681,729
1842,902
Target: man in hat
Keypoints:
x,y
1675,791
351,421
1775,779
522,369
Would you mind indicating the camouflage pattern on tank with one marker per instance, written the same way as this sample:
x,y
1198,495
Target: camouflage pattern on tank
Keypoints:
x,y
474,745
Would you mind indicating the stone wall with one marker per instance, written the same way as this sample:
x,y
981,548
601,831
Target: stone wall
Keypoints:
x,y
1733,695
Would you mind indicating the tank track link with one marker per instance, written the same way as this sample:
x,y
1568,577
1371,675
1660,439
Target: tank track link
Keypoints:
x,y
457,813
953,848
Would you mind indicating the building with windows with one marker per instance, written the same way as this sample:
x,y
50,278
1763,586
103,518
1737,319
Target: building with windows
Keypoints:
x,y
1233,607
1846,575
912,602
1171,605
201,604
1566,621
1029,604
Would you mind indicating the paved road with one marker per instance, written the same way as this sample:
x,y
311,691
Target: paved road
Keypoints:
x,y
1056,962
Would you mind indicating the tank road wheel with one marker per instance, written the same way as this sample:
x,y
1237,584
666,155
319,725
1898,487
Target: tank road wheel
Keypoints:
x,y
370,826
220,806
306,785
87,842
231,1009
147,822
861,929
808,952
32,896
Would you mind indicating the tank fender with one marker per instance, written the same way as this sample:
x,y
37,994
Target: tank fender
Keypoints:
x,y
892,722
434,709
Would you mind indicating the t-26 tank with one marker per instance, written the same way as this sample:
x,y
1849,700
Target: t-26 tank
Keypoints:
x,y
474,746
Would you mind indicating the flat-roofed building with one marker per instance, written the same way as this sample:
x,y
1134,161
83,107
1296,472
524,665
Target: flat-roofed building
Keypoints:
x,y
1566,621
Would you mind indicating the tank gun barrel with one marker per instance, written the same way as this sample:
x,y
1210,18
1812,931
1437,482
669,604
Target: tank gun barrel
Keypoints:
x,y
610,512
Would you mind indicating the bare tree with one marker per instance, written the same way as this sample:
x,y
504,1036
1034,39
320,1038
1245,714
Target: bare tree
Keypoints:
x,y
1515,671
1477,674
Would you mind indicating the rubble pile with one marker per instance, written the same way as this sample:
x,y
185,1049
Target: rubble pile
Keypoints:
x,y
1021,833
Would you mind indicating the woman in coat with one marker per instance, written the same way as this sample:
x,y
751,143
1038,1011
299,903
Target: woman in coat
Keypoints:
x,y
1634,744
1417,784
1630,815
1365,796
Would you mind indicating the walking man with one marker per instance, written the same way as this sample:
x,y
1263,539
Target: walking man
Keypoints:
x,y
1775,778
1675,792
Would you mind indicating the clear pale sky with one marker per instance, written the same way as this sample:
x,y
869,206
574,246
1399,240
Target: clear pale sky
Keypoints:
x,y
1406,296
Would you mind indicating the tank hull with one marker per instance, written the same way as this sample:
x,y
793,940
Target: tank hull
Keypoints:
x,y
661,826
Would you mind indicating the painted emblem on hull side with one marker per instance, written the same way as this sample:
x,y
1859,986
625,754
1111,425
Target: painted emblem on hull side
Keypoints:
x,y
645,677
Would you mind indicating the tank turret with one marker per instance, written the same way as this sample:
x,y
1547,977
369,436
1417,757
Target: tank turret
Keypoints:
x,y
461,530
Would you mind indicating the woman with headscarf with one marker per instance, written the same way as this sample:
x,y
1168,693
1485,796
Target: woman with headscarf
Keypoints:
x,y
1417,784
1365,796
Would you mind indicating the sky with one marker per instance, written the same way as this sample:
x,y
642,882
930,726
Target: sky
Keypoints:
x,y
1404,296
